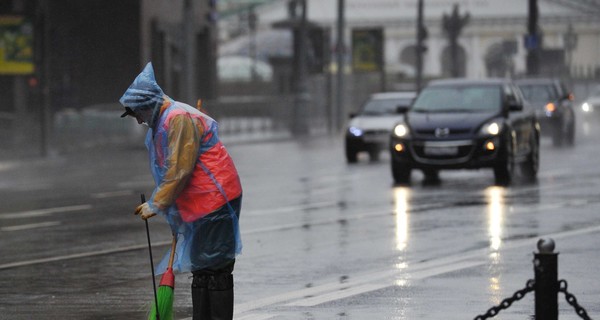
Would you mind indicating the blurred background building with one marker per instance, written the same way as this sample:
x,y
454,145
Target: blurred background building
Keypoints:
x,y
267,65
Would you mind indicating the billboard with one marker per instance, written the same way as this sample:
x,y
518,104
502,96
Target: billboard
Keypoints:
x,y
16,45
367,50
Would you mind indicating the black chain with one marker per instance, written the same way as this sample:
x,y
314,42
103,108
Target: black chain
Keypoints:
x,y
493,311
579,310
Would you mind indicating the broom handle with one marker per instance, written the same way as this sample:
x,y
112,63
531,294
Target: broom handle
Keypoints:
x,y
173,245
143,197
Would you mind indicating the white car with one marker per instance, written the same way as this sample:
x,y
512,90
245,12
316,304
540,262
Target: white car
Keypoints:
x,y
369,129
592,102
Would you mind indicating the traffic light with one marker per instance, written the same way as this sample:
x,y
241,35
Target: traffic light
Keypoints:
x,y
212,14
422,36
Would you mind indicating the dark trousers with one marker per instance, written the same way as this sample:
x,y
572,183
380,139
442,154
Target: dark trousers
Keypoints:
x,y
212,293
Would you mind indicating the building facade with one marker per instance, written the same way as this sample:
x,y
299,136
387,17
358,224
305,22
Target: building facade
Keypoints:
x,y
491,43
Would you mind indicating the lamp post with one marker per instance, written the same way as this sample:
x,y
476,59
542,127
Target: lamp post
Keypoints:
x,y
252,20
420,47
302,96
339,54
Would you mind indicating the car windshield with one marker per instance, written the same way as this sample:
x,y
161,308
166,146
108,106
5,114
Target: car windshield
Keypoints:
x,y
384,106
459,98
538,93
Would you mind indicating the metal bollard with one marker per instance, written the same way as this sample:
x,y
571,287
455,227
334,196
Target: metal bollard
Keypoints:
x,y
545,266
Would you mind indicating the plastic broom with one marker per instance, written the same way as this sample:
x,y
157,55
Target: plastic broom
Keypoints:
x,y
165,293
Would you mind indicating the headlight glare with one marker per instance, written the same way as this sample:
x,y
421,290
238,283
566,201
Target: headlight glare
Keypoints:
x,y
492,128
357,132
401,130
585,107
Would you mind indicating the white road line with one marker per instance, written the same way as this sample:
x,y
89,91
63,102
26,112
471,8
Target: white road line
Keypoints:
x,y
420,270
80,255
260,316
44,212
31,226
288,209
103,195
369,287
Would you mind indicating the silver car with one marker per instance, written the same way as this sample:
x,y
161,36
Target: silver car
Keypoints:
x,y
369,129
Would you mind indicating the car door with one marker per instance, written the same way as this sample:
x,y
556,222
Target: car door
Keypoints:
x,y
520,121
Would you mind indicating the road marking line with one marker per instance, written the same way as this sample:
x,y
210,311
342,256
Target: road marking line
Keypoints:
x,y
288,209
421,270
369,287
102,195
80,255
31,226
44,212
260,316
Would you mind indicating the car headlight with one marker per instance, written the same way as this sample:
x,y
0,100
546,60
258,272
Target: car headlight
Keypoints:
x,y
401,130
586,107
357,132
492,128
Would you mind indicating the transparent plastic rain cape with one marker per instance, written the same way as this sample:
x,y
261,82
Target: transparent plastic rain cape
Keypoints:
x,y
175,163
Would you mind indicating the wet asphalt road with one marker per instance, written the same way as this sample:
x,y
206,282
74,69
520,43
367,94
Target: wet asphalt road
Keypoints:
x,y
322,239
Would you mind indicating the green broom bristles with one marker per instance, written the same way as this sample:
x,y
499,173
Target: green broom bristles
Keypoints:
x,y
165,304
165,293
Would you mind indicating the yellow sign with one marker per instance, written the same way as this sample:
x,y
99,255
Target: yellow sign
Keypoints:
x,y
367,50
16,45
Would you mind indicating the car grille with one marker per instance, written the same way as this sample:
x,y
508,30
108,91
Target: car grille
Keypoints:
x,y
443,152
430,133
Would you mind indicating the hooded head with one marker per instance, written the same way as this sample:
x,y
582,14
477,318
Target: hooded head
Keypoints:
x,y
143,93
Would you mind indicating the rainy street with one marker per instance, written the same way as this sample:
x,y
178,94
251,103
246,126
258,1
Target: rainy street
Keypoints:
x,y
322,239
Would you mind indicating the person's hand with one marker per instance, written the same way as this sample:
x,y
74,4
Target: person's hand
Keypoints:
x,y
143,210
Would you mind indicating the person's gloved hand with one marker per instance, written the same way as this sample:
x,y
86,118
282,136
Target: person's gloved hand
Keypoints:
x,y
143,210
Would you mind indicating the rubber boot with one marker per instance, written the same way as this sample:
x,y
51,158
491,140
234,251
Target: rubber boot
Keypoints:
x,y
200,298
220,291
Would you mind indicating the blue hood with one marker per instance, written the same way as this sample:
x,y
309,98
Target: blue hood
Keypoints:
x,y
144,92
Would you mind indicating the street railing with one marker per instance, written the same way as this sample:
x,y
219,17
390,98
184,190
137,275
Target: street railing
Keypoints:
x,y
545,286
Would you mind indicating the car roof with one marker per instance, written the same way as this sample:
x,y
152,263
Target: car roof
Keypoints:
x,y
467,81
394,95
536,81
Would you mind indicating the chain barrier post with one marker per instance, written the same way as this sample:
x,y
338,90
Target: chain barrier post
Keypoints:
x,y
545,266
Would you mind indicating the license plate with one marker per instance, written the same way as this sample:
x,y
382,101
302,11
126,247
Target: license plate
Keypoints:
x,y
375,138
441,151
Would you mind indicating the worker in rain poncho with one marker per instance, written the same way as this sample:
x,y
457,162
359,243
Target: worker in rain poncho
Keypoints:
x,y
197,191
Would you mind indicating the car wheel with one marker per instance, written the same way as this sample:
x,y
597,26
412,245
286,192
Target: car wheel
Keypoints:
x,y
504,169
531,166
400,173
374,154
557,136
431,175
351,155
571,134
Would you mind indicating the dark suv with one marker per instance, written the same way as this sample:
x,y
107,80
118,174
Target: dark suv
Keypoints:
x,y
467,124
554,108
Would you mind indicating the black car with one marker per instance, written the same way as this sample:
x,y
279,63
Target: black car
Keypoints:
x,y
467,124
554,108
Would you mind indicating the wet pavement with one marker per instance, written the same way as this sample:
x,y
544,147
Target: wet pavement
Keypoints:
x,y
322,239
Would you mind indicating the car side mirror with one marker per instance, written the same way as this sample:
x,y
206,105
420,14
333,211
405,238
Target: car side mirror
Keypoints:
x,y
402,109
514,105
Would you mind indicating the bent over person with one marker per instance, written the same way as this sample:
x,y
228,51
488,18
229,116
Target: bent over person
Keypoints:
x,y
197,191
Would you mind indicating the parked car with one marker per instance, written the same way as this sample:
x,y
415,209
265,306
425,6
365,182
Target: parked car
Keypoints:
x,y
591,104
554,108
369,129
467,124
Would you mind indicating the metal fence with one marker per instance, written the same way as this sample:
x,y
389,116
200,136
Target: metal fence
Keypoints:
x,y
545,286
